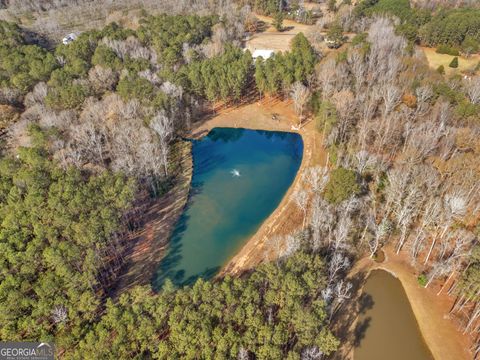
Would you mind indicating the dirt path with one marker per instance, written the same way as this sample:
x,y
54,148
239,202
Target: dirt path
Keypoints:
x,y
440,333
287,217
149,243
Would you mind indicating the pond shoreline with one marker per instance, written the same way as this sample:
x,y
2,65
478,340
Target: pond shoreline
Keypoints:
x,y
386,326
439,332
149,242
287,217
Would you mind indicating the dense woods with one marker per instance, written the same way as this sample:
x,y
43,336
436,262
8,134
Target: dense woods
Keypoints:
x,y
459,28
60,238
274,313
91,124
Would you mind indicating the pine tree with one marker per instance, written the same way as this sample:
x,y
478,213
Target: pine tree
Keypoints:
x,y
454,63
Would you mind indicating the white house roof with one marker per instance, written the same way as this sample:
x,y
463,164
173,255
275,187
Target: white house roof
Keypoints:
x,y
263,53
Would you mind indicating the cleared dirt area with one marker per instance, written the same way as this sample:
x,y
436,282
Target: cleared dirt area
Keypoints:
x,y
287,217
464,64
444,339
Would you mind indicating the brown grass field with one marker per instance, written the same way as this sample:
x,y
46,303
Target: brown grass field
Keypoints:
x,y
464,64
274,40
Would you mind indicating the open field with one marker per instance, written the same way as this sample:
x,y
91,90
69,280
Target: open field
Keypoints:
x,y
274,40
464,64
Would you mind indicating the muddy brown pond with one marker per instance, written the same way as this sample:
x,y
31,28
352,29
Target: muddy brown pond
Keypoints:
x,y
387,328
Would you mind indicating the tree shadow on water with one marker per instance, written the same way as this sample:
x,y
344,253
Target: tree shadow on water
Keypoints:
x,y
360,330
365,303
207,274
346,325
170,266
167,268
204,163
226,134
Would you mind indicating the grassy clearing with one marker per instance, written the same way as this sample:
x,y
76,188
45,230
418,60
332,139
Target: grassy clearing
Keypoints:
x,y
464,64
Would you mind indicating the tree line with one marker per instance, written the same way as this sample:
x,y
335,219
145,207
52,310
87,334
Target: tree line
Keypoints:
x,y
458,28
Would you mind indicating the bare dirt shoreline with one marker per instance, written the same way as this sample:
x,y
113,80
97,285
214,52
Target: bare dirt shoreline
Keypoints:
x,y
287,217
147,245
439,332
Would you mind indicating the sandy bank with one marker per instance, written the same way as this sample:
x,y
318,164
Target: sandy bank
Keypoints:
x,y
287,217
442,336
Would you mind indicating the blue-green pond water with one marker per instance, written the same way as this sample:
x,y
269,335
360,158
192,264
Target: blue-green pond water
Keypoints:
x,y
239,178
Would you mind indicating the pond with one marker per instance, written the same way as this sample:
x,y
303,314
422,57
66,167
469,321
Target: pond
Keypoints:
x,y
239,178
387,328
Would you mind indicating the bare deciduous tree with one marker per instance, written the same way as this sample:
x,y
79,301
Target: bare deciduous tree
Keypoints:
x,y
473,89
301,199
300,95
317,177
311,353
163,126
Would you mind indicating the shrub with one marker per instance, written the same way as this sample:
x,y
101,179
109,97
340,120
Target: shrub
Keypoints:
x,y
135,88
445,49
342,185
359,39
441,70
466,109
106,57
332,5
454,63
68,96
422,280
443,89
326,117
335,37
410,100
278,21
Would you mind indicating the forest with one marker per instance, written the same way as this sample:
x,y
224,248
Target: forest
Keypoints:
x,y
88,128
92,124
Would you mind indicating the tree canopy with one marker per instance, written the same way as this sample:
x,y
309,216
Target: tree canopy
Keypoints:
x,y
342,185
273,313
58,240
